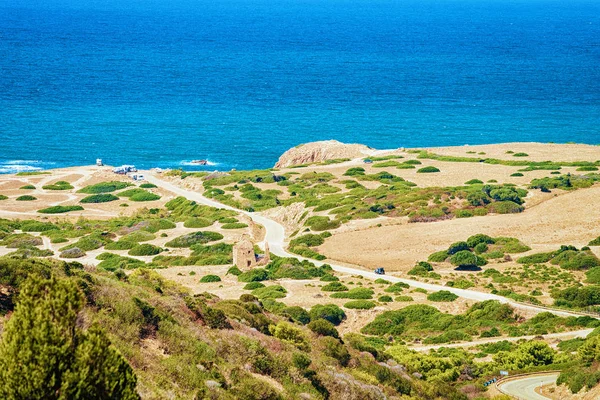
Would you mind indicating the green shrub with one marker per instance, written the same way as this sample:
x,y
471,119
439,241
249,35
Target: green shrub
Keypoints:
x,y
210,278
427,170
26,198
99,198
290,334
148,186
505,207
333,348
520,155
334,287
465,258
60,185
196,222
538,258
145,249
397,287
329,312
356,293
60,209
439,256
139,195
323,327
301,361
234,225
3,197
254,275
385,299
200,237
318,223
104,187
138,236
595,242
474,182
27,187
404,298
329,278
73,252
442,296
587,168
120,245
456,247
360,304
253,285
297,314
516,174
479,238
234,270
270,292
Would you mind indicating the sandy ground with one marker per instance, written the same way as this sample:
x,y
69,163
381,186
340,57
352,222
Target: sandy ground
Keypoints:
x,y
570,218
79,177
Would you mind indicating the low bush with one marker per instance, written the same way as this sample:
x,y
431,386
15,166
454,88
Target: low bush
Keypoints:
x,y
397,287
333,348
404,298
360,304
520,155
254,275
319,223
442,296
334,287
385,299
145,249
439,256
323,327
139,195
253,285
60,209
329,312
120,245
201,237
290,334
234,225
27,187
356,293
427,170
538,258
210,278
99,198
505,207
297,314
148,186
595,242
516,174
104,187
60,185
26,198
72,253
196,222
270,292
465,258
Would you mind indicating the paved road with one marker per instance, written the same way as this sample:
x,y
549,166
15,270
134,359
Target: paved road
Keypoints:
x,y
524,388
562,335
275,236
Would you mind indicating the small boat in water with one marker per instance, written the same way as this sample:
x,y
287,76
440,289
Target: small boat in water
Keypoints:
x,y
200,162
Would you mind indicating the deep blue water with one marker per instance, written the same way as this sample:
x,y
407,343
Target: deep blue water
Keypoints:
x,y
156,83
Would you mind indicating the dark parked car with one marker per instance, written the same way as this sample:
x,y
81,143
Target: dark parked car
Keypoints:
x,y
380,271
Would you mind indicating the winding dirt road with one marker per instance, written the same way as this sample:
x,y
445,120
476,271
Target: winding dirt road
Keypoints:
x,y
275,236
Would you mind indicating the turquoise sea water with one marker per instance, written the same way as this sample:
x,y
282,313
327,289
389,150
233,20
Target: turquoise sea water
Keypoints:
x,y
159,83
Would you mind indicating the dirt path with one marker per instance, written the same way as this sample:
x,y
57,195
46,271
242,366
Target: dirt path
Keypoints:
x,y
275,236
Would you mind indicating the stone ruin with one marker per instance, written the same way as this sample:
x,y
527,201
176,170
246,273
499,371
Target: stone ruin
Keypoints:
x,y
244,256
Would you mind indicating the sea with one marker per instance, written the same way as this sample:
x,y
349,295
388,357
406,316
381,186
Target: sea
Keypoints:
x,y
159,83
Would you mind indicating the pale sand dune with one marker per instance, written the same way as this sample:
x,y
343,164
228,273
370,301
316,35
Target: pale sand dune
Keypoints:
x,y
570,218
536,151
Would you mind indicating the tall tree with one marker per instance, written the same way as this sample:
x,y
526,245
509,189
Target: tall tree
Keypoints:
x,y
43,355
